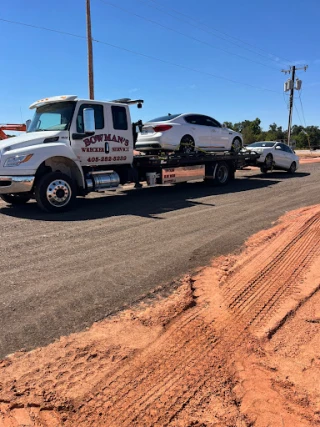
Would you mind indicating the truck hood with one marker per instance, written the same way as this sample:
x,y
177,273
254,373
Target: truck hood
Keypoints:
x,y
32,138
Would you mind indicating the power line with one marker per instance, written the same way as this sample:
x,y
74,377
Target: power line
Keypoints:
x,y
267,55
185,35
302,109
141,54
42,28
285,101
298,114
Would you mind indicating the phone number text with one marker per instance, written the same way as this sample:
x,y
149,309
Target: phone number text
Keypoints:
x,y
106,159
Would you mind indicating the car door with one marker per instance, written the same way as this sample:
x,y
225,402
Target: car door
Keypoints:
x,y
219,135
198,129
281,156
289,155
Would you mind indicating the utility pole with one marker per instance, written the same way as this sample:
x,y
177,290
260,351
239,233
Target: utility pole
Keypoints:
x,y
292,84
90,53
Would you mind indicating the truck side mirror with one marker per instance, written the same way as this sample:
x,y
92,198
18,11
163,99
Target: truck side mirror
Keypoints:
x,y
88,120
28,122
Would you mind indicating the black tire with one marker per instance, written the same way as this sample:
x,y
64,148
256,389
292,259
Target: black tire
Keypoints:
x,y
55,192
268,162
187,145
236,145
221,174
16,199
263,169
293,168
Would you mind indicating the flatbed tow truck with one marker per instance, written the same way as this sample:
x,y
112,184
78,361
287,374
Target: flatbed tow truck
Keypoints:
x,y
76,146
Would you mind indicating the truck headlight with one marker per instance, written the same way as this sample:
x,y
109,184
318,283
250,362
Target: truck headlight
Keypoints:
x,y
17,160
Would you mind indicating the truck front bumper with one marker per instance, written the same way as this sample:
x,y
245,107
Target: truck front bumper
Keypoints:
x,y
16,184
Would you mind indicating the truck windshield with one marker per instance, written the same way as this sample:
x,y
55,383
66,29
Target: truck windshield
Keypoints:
x,y
55,116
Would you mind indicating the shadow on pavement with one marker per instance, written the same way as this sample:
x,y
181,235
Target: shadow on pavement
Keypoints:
x,y
146,202
278,175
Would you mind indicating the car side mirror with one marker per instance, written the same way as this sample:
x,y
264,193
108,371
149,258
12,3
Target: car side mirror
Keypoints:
x,y
278,147
88,120
224,125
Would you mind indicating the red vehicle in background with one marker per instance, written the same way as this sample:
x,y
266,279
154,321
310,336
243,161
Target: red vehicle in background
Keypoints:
x,y
12,127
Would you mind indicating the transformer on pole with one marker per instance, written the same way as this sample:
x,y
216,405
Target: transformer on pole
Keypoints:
x,y
290,85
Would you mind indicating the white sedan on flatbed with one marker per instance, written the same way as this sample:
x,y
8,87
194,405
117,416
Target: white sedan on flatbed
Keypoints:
x,y
275,155
186,133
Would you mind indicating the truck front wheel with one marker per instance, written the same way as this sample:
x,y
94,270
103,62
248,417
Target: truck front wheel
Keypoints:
x,y
55,192
16,199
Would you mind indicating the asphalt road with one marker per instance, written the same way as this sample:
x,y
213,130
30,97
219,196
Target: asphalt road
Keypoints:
x,y
58,274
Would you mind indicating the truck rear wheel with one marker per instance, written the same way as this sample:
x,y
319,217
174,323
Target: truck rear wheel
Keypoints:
x,y
219,174
222,175
55,192
16,199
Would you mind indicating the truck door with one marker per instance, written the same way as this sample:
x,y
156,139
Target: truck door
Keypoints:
x,y
112,142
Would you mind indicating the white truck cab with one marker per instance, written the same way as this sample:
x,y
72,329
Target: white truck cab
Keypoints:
x,y
72,146
75,146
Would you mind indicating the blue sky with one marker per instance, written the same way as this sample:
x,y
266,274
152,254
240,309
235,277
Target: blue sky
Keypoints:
x,y
202,38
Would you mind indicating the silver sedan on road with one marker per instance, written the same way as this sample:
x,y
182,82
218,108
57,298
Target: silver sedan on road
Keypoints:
x,y
275,155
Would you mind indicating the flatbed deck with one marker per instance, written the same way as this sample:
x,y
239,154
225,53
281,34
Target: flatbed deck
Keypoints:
x,y
239,160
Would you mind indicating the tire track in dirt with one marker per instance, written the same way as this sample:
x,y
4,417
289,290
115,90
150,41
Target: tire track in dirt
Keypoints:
x,y
186,370
251,304
253,300
146,376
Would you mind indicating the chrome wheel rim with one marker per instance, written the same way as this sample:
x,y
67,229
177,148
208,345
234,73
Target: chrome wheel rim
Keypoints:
x,y
59,193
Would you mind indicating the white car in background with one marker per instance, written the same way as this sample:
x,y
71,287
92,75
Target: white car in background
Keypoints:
x,y
186,133
275,155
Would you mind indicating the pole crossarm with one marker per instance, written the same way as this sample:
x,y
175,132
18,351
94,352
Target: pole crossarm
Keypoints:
x,y
292,70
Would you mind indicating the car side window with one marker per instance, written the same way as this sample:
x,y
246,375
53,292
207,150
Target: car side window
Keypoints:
x,y
98,116
288,149
189,119
193,119
284,147
211,122
119,117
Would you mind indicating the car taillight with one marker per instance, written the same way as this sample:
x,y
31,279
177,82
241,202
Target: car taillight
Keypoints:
x,y
161,128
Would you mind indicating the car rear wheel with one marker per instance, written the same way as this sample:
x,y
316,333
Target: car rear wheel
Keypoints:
x,y
16,199
293,167
187,145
